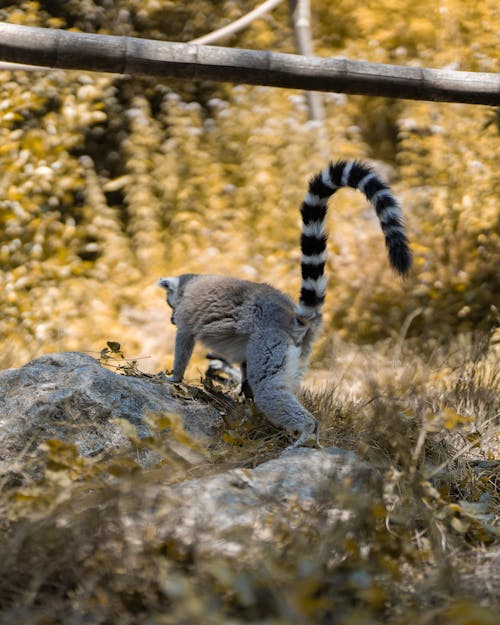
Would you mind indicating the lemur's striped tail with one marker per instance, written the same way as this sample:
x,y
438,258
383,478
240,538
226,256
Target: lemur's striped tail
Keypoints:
x,y
314,237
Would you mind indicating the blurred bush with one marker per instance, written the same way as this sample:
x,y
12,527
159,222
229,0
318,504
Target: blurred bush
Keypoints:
x,y
108,182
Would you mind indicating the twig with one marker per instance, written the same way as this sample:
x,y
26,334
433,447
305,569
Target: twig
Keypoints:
x,y
238,24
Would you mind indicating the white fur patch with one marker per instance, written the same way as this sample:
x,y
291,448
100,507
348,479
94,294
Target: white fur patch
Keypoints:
x,y
346,173
314,229
292,365
314,259
171,286
307,311
326,180
364,181
169,283
388,230
391,212
315,200
380,193
318,285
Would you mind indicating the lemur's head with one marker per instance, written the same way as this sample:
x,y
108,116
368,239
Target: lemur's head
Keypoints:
x,y
175,288
171,286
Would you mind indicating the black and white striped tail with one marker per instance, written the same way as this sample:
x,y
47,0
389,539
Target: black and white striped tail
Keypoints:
x,y
313,240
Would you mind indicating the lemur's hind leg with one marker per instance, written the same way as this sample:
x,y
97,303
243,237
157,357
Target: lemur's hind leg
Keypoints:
x,y
271,363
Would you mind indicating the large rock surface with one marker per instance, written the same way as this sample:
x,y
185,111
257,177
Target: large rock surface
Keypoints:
x,y
71,397
226,513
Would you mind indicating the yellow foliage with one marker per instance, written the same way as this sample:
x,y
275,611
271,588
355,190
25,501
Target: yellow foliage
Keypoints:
x,y
110,182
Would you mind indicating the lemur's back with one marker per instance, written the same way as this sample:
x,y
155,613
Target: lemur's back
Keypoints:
x,y
222,312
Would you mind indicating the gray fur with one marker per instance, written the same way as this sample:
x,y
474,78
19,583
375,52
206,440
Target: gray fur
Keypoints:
x,y
254,325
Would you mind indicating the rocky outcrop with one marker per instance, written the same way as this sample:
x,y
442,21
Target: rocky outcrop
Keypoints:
x,y
71,397
226,513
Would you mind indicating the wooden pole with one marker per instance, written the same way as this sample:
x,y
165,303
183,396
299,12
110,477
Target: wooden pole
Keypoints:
x,y
128,55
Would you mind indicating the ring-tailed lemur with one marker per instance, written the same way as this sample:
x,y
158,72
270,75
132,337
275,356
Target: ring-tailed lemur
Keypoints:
x,y
260,328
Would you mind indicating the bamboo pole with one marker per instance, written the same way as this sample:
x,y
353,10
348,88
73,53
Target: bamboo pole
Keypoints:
x,y
129,55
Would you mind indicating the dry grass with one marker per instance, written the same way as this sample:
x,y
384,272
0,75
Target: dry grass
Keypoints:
x,y
423,547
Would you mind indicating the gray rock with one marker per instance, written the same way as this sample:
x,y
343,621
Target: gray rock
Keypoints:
x,y
71,397
226,513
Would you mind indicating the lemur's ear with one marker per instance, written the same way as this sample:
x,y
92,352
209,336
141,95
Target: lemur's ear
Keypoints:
x,y
167,283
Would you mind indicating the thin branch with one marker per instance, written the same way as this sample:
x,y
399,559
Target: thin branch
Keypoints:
x,y
62,49
10,67
301,17
238,24
302,24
